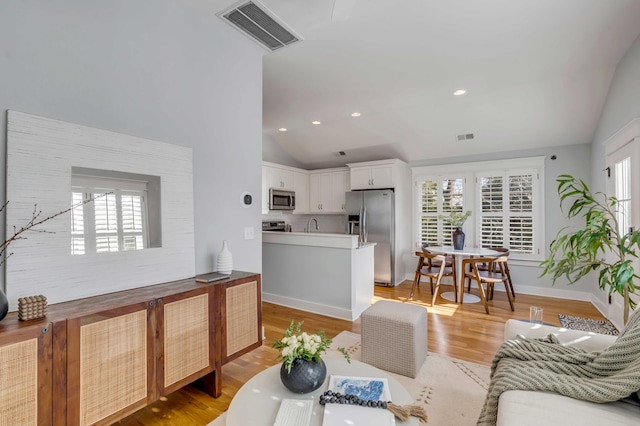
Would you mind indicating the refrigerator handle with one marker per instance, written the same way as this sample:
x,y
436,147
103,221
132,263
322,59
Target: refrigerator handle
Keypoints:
x,y
360,225
363,226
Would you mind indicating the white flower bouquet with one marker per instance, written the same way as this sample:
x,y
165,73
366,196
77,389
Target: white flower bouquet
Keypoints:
x,y
301,345
456,219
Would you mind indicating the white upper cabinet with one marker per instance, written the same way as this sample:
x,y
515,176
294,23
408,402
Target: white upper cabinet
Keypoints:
x,y
326,191
280,178
285,178
265,189
373,174
301,188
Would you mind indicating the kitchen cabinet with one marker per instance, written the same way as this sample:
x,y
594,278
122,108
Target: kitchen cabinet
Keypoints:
x,y
25,372
280,178
372,177
327,191
301,188
265,190
285,178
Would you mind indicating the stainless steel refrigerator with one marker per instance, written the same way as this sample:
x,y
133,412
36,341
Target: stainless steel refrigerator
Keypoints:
x,y
371,216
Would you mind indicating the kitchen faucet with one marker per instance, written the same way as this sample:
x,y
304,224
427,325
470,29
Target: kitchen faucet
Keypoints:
x,y
309,224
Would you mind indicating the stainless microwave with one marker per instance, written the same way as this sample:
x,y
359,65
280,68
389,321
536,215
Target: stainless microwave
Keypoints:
x,y
281,200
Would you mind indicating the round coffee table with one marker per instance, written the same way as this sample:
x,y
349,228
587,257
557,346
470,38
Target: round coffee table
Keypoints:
x,y
258,401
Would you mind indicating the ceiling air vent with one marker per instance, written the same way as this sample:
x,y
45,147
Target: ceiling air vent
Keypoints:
x,y
464,137
255,21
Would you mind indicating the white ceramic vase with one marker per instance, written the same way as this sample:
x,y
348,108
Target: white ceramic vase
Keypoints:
x,y
225,259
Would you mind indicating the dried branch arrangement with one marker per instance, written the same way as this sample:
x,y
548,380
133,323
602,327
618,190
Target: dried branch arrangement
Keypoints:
x,y
36,220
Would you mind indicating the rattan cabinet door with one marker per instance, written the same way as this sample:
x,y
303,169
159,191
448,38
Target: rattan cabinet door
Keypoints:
x,y
110,364
242,317
186,338
26,376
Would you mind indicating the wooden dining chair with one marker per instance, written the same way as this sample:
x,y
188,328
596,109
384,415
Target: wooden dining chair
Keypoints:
x,y
494,275
433,273
505,268
433,262
493,267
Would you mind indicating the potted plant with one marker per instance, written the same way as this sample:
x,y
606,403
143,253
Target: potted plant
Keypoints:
x,y
303,370
456,220
599,246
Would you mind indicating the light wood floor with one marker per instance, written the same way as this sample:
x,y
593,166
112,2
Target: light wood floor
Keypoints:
x,y
461,331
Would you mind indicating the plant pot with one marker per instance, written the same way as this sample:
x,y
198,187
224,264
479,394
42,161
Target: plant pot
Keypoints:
x,y
4,305
457,237
304,377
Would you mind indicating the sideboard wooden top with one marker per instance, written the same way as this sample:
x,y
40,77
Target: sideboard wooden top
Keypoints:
x,y
94,304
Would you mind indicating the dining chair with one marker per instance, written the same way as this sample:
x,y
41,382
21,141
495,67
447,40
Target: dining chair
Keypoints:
x,y
490,277
433,273
505,267
492,267
433,262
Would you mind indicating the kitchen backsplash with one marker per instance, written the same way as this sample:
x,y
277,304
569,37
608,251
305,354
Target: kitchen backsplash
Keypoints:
x,y
332,223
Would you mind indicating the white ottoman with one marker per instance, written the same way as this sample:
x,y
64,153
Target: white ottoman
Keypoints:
x,y
394,337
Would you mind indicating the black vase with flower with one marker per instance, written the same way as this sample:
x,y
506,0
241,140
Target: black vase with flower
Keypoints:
x,y
305,376
457,237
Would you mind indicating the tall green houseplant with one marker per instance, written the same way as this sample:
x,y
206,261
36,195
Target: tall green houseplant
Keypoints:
x,y
598,246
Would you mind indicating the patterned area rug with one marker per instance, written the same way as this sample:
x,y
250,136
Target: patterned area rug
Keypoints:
x,y
588,324
452,391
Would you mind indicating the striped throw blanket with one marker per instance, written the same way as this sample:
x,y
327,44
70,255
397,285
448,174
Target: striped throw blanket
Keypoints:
x,y
546,365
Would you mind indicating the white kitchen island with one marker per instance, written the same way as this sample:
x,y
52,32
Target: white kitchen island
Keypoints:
x,y
329,274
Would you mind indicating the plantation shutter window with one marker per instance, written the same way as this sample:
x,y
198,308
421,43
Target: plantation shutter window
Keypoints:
x,y
438,196
77,223
507,211
506,200
429,212
521,213
115,219
491,211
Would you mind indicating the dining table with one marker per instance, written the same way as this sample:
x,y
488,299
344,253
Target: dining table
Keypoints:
x,y
458,257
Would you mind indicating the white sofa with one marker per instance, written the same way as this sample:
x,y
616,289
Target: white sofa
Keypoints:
x,y
532,408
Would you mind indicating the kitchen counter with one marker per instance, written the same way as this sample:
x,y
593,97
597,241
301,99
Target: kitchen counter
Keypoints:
x,y
328,274
315,239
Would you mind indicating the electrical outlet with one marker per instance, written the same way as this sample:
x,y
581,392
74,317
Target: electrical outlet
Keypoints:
x,y
248,233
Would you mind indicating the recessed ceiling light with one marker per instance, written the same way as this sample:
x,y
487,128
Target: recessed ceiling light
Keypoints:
x,y
315,122
459,92
282,129
355,114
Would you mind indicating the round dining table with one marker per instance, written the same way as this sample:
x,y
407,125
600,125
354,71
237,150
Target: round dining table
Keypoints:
x,y
459,256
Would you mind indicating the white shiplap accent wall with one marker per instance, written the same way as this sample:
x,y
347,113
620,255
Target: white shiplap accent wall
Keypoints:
x,y
40,154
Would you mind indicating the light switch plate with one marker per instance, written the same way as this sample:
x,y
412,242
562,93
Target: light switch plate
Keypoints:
x,y
248,233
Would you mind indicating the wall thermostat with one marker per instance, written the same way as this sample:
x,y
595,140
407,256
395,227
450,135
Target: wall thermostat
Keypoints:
x,y
246,199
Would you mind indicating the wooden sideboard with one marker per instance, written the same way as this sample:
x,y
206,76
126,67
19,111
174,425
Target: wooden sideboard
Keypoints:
x,y
93,361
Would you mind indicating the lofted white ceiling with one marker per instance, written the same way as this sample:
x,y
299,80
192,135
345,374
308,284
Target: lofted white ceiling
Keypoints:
x,y
536,72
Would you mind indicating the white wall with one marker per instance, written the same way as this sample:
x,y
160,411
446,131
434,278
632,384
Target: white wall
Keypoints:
x,y
151,68
622,106
273,152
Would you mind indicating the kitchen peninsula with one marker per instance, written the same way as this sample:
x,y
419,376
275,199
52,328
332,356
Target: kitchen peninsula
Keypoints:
x,y
329,274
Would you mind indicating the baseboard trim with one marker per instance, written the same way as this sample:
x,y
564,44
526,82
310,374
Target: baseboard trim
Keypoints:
x,y
315,308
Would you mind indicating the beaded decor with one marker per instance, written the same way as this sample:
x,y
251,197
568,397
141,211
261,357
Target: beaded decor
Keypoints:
x,y
32,307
